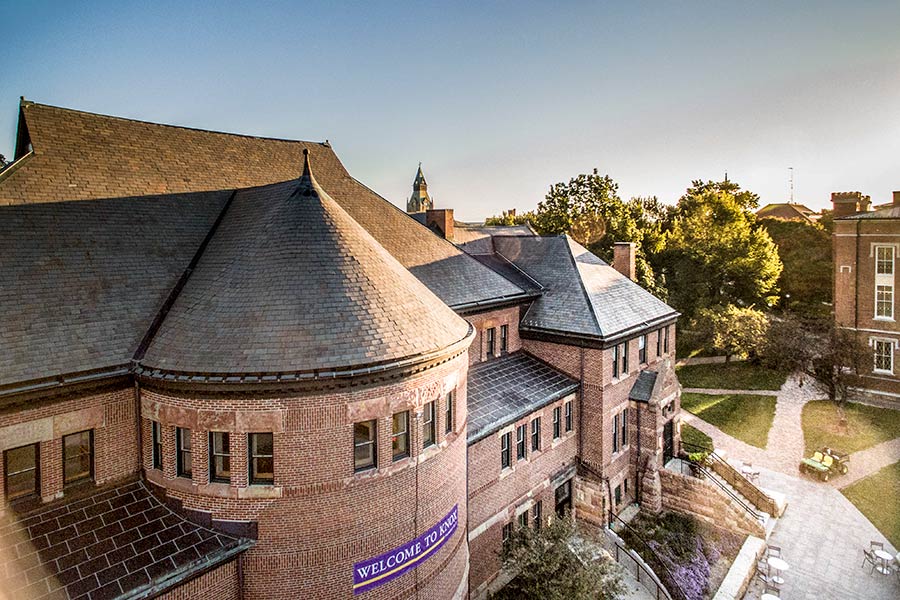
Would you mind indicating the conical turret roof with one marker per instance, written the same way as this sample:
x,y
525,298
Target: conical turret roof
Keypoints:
x,y
291,283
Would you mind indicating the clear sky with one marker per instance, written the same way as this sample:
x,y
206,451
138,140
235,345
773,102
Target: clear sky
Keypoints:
x,y
497,101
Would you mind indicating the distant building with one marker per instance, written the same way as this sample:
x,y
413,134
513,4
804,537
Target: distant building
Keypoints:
x,y
419,201
866,249
787,211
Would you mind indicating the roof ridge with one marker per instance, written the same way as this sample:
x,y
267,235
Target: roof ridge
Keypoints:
x,y
27,103
584,291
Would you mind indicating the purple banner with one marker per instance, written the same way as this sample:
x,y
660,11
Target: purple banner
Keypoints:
x,y
373,572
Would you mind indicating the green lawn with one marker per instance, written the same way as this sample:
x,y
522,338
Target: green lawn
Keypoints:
x,y
745,417
694,437
731,376
876,497
866,426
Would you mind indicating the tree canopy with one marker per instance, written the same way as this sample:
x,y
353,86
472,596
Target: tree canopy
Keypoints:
x,y
805,284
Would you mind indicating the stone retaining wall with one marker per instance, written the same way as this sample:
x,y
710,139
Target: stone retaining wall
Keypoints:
x,y
704,500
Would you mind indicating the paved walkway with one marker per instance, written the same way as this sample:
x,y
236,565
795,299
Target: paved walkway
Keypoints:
x,y
822,536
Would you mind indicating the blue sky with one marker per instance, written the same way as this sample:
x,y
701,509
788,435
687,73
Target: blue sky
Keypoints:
x,y
497,101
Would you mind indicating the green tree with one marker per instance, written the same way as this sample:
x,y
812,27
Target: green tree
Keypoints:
x,y
550,564
805,284
734,330
508,219
715,252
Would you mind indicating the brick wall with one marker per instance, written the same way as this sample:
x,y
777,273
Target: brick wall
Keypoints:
x,y
497,495
219,584
111,416
496,319
320,517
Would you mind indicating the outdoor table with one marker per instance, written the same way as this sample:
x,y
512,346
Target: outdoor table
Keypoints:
x,y
886,558
779,565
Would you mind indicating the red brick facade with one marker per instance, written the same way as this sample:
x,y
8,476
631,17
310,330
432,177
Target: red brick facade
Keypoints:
x,y
856,242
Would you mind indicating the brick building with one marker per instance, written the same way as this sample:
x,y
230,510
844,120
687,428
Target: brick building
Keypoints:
x,y
231,370
866,248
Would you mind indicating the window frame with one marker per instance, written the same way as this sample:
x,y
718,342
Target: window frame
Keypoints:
x,y
504,339
624,428
429,431
566,501
180,451
642,349
879,260
615,434
624,369
666,340
618,495
373,442
90,475
36,469
395,435
491,339
876,343
536,434
884,299
521,446
522,519
506,534
214,476
659,337
252,469
156,444
449,413
568,416
505,450
884,284
536,509
615,361
557,422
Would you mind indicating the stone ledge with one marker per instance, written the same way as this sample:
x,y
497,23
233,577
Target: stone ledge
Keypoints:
x,y
741,572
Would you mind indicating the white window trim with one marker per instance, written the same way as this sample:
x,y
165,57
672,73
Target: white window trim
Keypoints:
x,y
873,343
884,280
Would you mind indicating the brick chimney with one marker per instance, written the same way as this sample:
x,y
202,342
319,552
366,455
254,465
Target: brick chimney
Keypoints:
x,y
864,203
623,259
512,212
440,221
846,203
896,198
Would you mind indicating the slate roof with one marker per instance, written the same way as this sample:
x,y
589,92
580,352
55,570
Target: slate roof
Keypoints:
x,y
118,541
79,155
582,294
289,283
888,212
477,238
505,389
82,281
642,389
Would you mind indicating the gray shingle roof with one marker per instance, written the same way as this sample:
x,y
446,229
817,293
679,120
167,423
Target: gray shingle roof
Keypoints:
x,y
505,389
582,294
117,540
290,282
82,281
642,390
889,212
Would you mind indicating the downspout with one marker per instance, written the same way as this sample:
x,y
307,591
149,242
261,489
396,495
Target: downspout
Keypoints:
x,y
638,493
240,575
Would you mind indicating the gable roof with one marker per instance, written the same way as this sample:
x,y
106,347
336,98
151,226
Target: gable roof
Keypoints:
x,y
78,156
582,294
84,280
785,210
291,283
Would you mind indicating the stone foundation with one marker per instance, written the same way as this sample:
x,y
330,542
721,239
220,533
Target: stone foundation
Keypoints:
x,y
703,500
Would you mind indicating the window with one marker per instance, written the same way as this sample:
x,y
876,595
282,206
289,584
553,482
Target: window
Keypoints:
x,y
884,260
183,452
625,487
618,495
428,430
156,430
262,459
536,514
666,340
624,427
506,533
536,434
884,356
642,349
364,446
521,432
615,436
556,415
884,282
504,338
523,519
21,471
884,301
569,415
505,458
449,413
219,457
490,342
78,456
625,358
400,435
615,361
659,337
563,495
